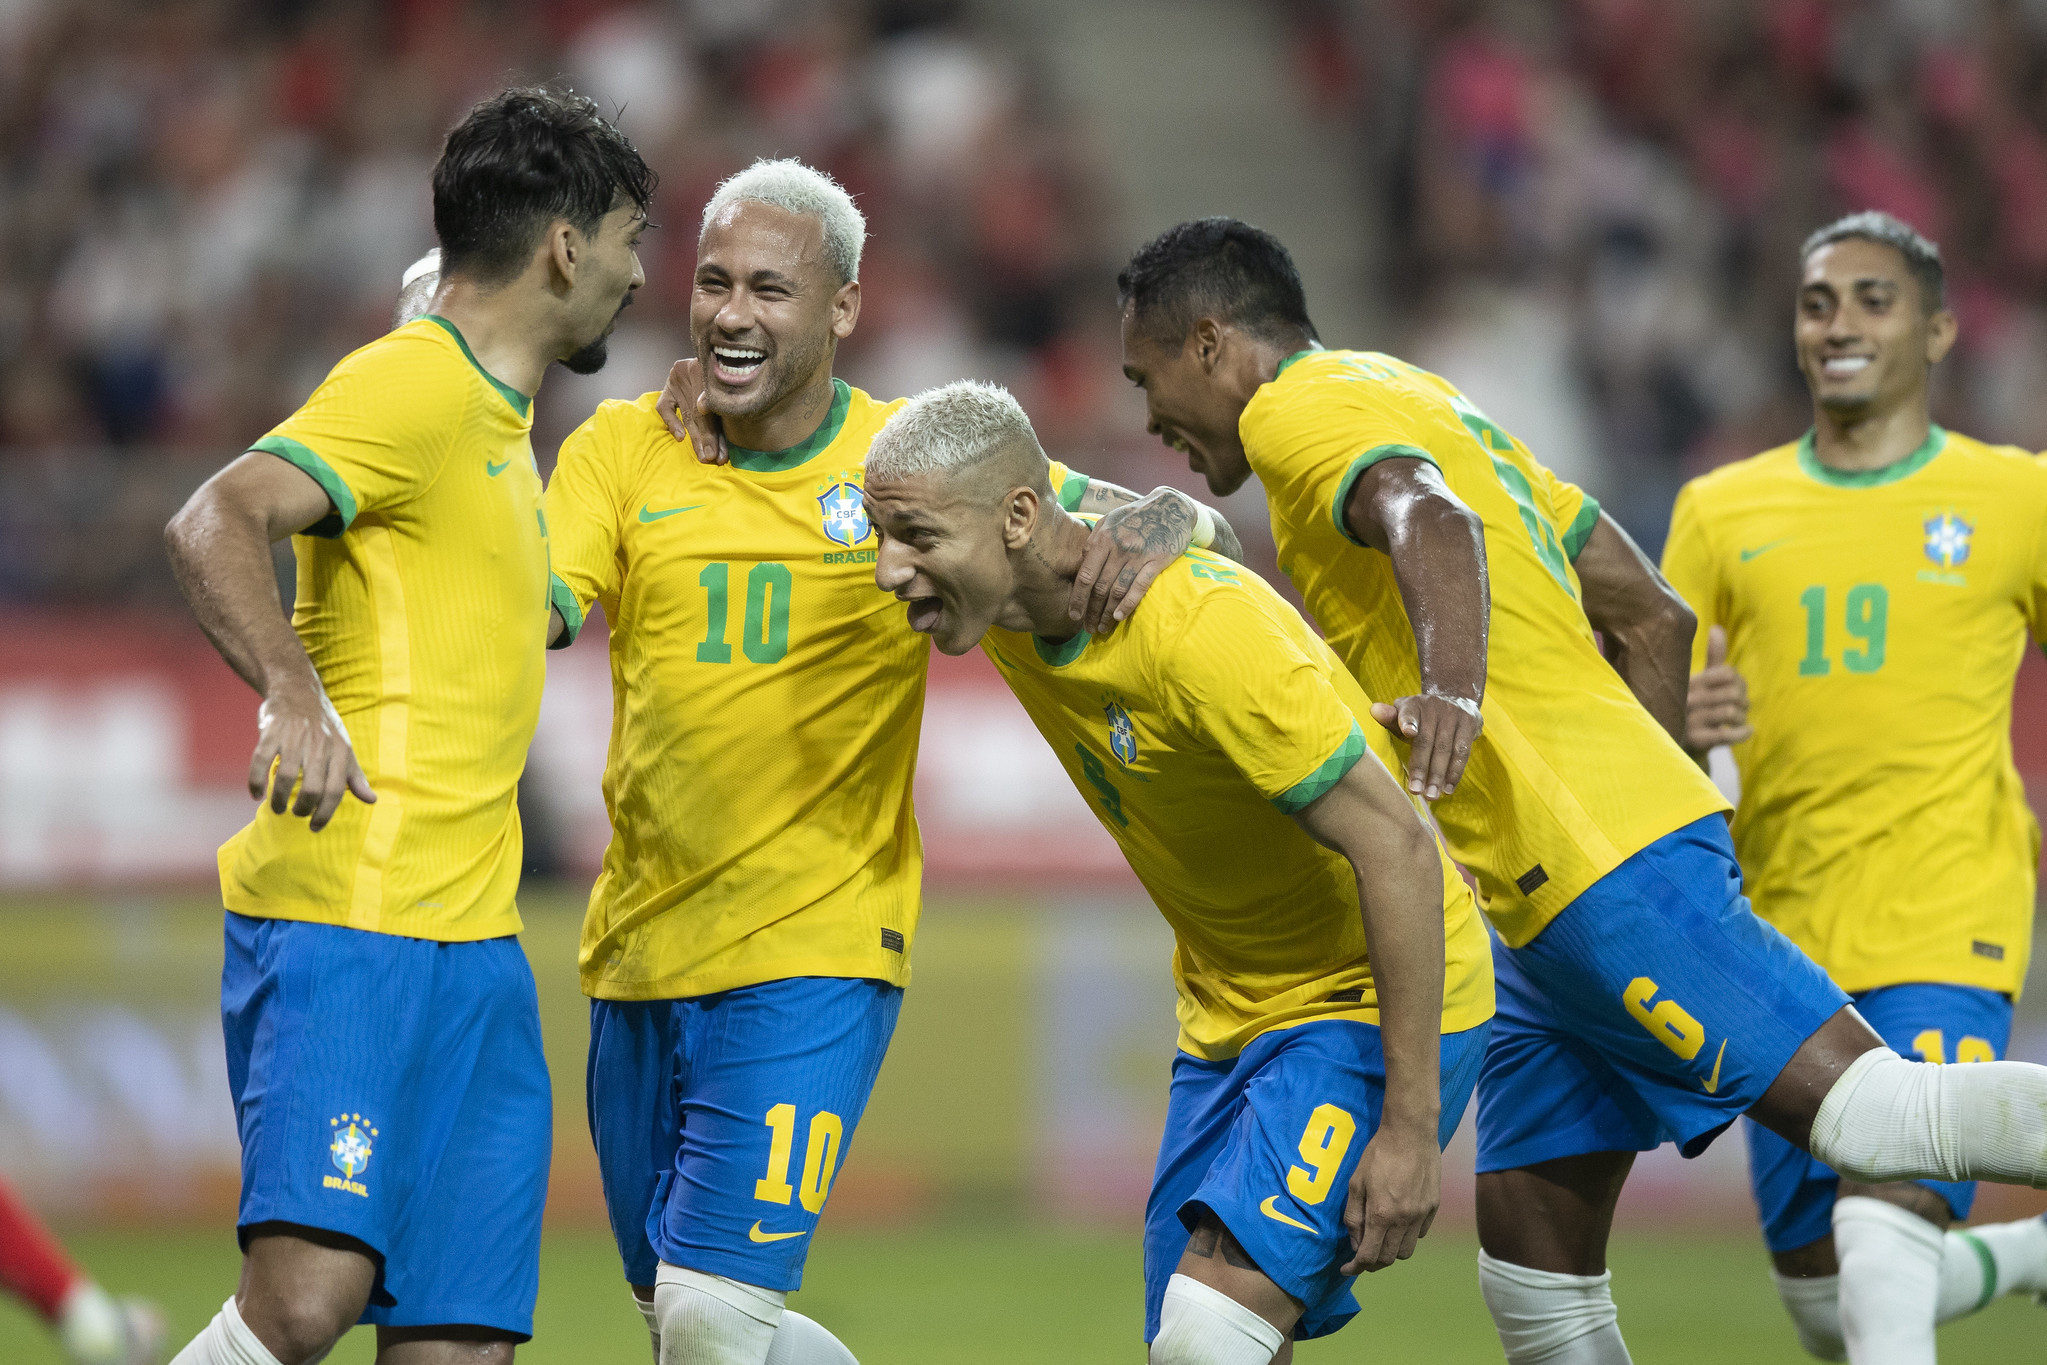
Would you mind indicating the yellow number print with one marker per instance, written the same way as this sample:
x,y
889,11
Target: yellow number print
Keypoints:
x,y
1668,1023
1975,1050
781,1121
1931,1045
820,1160
1323,1143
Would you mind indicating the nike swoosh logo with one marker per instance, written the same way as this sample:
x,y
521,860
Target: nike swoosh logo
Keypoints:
x,y
755,1234
496,469
648,514
1273,1213
1747,555
1713,1081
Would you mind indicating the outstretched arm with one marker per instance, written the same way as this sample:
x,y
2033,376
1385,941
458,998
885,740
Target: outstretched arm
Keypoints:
x,y
1136,537
1398,1182
219,546
1646,625
1403,508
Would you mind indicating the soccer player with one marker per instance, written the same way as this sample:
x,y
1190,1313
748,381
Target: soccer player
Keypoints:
x,y
92,1326
1640,999
749,937
1867,592
382,1029
1333,979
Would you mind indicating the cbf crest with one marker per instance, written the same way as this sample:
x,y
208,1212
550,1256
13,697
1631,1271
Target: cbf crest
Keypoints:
x,y
845,515
353,1139
1122,734
1947,540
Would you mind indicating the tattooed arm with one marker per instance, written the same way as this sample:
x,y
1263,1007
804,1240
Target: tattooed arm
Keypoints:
x,y
1136,537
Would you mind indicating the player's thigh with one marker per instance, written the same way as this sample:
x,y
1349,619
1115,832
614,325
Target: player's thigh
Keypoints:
x,y
1202,1108
632,1090
470,1254
775,1078
1695,1002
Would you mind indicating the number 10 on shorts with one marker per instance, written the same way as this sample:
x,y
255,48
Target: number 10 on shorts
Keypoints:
x,y
820,1157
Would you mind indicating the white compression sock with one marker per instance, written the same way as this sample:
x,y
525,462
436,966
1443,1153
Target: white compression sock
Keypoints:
x,y
800,1341
1889,1119
227,1340
1978,1264
1546,1318
1814,1303
711,1320
1890,1280
646,1307
1203,1326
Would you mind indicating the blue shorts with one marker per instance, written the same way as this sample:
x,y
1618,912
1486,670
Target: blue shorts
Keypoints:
x,y
1795,1190
1656,1008
394,1090
721,1120
1235,1134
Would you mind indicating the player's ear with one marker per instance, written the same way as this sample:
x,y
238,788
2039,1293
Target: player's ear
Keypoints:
x,y
1020,518
1207,341
564,247
846,309
1941,330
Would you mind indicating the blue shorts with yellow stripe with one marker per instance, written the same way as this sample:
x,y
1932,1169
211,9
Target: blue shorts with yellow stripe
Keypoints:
x,y
1656,1008
1935,1023
722,1120
1239,1134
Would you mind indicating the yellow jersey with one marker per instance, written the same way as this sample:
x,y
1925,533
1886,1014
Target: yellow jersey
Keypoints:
x,y
1879,618
1569,776
422,601
766,705
1194,730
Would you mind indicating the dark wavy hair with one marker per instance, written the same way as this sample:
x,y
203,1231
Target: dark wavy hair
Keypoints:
x,y
1922,257
520,160
1215,267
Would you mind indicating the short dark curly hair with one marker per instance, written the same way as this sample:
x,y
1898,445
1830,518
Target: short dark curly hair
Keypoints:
x,y
1922,256
1215,267
521,159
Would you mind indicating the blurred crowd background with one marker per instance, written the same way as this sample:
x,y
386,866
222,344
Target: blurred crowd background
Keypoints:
x,y
1584,211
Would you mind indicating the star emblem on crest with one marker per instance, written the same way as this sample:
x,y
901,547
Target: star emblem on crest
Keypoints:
x,y
1947,540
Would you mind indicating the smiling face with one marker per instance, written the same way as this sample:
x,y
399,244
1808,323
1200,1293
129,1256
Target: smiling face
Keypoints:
x,y
1865,339
767,310
945,549
607,272
1188,405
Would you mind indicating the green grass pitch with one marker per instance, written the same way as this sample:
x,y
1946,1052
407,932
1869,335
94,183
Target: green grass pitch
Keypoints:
x,y
995,1295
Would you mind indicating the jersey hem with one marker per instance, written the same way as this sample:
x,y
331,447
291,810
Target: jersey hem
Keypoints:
x,y
2002,980
1461,1020
308,462
1311,788
1357,471
886,967
563,599
1580,529
394,926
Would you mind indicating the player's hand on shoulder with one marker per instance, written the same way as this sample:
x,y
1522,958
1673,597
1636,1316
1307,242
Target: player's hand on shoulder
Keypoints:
x,y
1393,1196
301,742
681,408
1716,702
1440,730
1125,552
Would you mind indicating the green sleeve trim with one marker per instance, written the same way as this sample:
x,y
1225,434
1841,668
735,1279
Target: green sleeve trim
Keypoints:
x,y
1580,529
1073,490
309,462
563,599
1357,471
1309,789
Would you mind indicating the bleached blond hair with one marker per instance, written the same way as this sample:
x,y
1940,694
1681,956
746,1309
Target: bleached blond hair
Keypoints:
x,y
954,428
793,187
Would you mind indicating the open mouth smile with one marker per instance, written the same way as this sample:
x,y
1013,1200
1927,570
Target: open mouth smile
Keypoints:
x,y
1844,366
736,365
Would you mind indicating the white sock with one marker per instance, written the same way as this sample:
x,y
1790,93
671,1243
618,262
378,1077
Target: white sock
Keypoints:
x,y
91,1326
1888,1119
646,1307
712,1320
800,1341
1203,1326
1814,1302
1545,1318
1978,1264
1890,1280
227,1340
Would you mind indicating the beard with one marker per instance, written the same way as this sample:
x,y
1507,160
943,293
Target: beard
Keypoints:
x,y
787,371
588,359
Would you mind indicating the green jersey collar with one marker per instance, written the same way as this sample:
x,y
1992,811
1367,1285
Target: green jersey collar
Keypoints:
x,y
1809,461
1063,653
775,461
521,404
1297,355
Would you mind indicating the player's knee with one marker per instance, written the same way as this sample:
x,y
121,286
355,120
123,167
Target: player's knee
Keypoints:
x,y
713,1320
1199,1325
298,1329
1887,1119
1548,1318
1814,1303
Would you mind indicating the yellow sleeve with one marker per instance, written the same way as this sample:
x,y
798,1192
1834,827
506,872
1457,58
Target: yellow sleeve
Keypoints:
x,y
584,523
1068,487
2036,605
375,433
1689,564
1573,511
1320,442
1234,679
